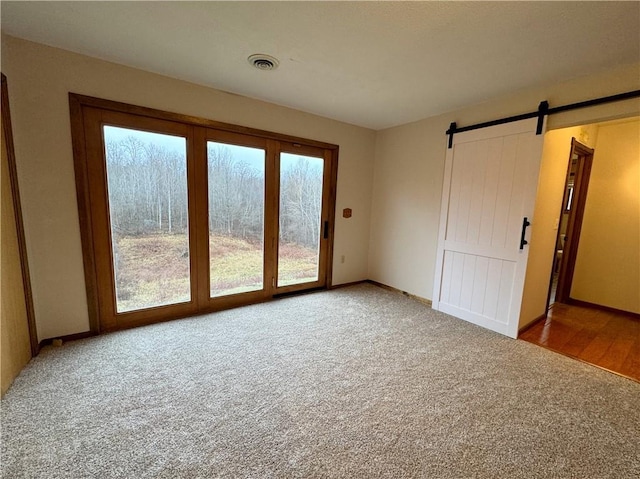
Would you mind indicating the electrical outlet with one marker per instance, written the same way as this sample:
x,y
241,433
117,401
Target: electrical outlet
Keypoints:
x,y
342,258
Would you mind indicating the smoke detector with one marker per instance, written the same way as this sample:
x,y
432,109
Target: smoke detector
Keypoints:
x,y
263,62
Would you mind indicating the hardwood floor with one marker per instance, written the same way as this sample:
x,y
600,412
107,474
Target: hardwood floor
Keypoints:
x,y
606,339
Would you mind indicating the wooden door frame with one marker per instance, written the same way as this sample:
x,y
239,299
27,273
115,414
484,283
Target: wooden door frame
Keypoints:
x,y
81,110
576,216
17,207
202,136
327,216
110,317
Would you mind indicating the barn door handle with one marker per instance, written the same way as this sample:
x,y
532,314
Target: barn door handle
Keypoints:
x,y
326,230
525,223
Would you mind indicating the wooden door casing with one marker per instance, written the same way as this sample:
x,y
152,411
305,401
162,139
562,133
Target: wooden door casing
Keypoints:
x,y
88,117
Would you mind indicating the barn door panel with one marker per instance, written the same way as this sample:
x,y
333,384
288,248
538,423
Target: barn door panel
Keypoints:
x,y
488,197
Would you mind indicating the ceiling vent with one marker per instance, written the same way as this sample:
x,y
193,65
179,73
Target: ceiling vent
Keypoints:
x,y
263,62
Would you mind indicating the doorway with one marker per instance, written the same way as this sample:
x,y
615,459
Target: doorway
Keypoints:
x,y
188,216
570,223
596,320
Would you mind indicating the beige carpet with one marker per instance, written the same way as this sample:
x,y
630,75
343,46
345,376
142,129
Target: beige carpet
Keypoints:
x,y
356,382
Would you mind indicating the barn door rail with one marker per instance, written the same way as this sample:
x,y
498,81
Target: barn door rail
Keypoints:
x,y
543,110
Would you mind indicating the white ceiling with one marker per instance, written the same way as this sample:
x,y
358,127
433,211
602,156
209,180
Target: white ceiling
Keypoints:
x,y
373,64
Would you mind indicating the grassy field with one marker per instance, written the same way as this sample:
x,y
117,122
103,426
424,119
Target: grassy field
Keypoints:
x,y
153,270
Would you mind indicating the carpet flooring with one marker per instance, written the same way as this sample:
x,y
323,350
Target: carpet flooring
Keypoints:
x,y
357,382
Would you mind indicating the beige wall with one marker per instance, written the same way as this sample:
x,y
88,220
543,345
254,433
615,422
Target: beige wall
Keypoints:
x,y
409,168
15,347
41,78
407,185
607,268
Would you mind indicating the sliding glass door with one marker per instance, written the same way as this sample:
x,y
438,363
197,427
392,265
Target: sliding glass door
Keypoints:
x,y
301,229
141,218
184,218
266,201
232,186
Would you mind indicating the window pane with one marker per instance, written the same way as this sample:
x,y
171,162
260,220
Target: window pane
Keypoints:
x,y
147,187
236,218
300,216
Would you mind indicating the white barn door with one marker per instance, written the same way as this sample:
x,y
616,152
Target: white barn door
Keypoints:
x,y
490,183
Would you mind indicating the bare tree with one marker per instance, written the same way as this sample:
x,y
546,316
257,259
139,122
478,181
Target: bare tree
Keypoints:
x,y
301,203
147,188
148,193
236,195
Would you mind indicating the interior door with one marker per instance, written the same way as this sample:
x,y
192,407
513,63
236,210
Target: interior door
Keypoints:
x,y
489,189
